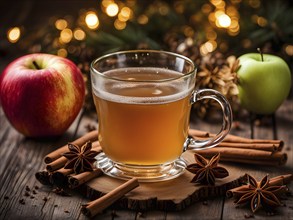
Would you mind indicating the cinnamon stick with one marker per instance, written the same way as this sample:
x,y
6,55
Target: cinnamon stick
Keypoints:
x,y
61,161
281,180
78,179
255,146
278,144
246,156
96,206
91,136
56,164
60,177
44,177
275,181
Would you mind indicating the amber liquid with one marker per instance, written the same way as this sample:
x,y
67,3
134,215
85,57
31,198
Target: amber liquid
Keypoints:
x,y
142,124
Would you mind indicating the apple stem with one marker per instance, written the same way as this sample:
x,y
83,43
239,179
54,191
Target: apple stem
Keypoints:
x,y
36,65
261,54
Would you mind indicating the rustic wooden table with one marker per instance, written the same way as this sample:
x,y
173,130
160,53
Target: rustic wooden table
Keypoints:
x,y
21,158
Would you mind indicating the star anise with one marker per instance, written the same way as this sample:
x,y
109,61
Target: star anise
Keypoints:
x,y
259,194
206,171
80,159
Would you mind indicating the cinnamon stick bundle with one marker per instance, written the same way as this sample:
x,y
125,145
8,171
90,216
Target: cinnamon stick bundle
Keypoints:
x,y
98,205
56,174
275,181
91,136
244,150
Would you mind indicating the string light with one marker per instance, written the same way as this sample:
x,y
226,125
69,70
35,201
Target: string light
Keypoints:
x,y
223,21
246,43
143,19
112,9
254,3
206,8
163,10
203,50
223,47
105,3
216,2
188,31
119,25
79,34
125,14
211,35
13,34
208,47
61,24
91,20
261,21
179,7
62,52
234,24
66,35
289,50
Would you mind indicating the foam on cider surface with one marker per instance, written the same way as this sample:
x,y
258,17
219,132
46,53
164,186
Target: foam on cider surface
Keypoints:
x,y
144,85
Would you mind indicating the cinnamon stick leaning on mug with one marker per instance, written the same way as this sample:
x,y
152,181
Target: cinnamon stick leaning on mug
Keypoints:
x,y
91,136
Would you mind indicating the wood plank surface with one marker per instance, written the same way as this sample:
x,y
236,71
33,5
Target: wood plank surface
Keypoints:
x,y
22,157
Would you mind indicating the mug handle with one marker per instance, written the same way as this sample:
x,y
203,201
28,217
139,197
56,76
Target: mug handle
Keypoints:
x,y
193,144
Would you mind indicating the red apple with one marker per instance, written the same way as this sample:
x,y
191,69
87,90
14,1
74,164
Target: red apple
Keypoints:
x,y
41,94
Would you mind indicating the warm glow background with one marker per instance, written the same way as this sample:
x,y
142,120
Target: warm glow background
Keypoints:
x,y
227,26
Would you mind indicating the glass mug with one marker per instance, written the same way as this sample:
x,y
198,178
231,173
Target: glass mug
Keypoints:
x,y
143,100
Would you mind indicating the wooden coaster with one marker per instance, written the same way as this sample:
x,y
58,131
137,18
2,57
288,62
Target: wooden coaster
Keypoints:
x,y
175,194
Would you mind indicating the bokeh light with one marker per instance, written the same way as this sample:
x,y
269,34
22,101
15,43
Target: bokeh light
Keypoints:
x,y
254,3
112,9
79,34
143,19
61,24
119,25
206,8
289,50
13,34
105,3
223,21
211,35
246,43
91,20
62,52
208,47
261,21
66,35
125,14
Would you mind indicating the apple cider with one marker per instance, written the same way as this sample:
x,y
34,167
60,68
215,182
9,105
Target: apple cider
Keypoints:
x,y
143,123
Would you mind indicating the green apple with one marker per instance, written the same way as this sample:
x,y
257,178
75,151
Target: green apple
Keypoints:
x,y
264,82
